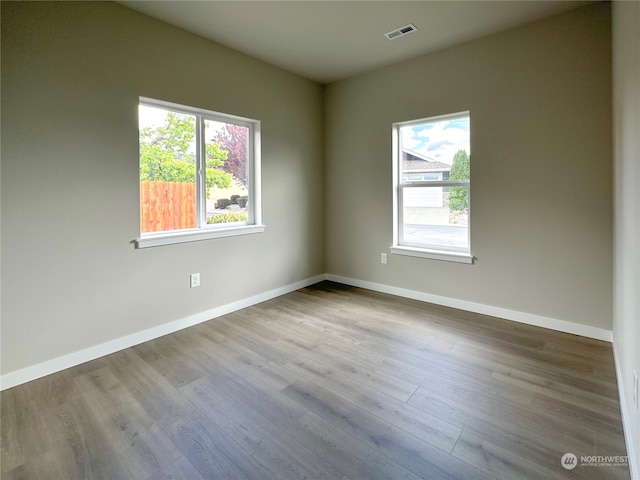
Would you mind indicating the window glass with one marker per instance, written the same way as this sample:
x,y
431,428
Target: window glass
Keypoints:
x,y
432,161
197,169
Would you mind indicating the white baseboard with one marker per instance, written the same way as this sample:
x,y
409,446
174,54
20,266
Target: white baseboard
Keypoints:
x,y
633,451
48,367
516,316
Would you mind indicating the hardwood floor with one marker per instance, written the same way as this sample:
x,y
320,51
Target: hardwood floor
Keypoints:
x,y
329,382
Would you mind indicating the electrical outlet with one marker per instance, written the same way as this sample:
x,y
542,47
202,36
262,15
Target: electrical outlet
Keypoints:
x,y
383,258
635,389
194,280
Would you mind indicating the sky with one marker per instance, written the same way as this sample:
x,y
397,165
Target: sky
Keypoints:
x,y
151,116
439,140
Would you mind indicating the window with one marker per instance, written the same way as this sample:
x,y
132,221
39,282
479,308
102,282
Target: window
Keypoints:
x,y
431,176
199,174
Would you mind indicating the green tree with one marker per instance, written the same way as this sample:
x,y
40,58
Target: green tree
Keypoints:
x,y
165,156
460,170
216,158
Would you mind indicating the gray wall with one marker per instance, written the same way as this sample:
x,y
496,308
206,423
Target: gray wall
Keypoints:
x,y
541,194
540,103
71,77
626,123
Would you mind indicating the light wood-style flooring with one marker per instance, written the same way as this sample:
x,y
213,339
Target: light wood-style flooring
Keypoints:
x,y
328,382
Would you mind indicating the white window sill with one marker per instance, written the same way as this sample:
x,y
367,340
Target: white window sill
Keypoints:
x,y
433,254
156,240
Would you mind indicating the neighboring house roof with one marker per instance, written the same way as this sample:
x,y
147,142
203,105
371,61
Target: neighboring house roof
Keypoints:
x,y
418,155
413,161
424,166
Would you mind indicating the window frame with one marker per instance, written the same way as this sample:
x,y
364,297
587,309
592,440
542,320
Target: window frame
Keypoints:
x,y
423,250
204,231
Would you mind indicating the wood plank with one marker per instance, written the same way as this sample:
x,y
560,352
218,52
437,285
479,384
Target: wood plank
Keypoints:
x,y
169,360
153,391
329,381
219,355
500,462
214,454
259,398
132,433
463,386
349,454
181,469
391,385
549,368
410,419
253,342
87,449
263,436
523,431
41,465
556,389
603,422
26,433
416,455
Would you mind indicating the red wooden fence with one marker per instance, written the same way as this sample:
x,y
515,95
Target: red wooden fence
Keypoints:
x,y
167,206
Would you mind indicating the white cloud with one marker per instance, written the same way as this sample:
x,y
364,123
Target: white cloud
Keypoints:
x,y
438,140
150,116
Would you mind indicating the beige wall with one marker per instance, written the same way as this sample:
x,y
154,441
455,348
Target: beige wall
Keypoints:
x,y
541,196
626,128
71,77
540,103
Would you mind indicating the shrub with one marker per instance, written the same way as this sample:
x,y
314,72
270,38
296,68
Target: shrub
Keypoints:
x,y
234,198
222,203
228,217
458,196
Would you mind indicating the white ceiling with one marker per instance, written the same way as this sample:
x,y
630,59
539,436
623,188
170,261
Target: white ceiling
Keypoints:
x,y
331,40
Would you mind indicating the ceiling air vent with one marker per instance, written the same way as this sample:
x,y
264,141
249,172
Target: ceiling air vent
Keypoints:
x,y
400,32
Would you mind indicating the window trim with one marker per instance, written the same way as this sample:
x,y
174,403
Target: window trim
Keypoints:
x,y
204,231
195,235
432,254
399,246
